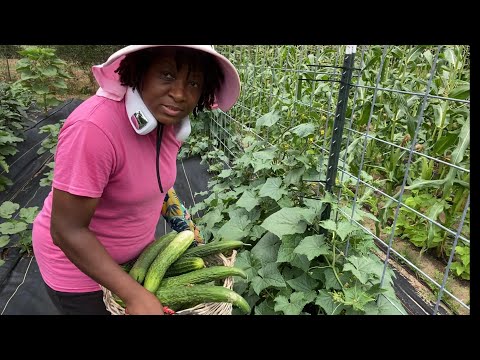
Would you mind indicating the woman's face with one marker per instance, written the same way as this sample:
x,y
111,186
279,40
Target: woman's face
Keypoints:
x,y
171,93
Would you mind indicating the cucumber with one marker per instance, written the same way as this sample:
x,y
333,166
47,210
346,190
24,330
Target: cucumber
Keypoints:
x,y
214,247
184,265
203,276
148,255
182,297
128,265
167,257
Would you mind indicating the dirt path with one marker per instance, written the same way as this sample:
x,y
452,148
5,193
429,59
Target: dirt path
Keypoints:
x,y
431,266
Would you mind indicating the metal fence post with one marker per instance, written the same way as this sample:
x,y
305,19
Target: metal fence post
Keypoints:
x,y
339,123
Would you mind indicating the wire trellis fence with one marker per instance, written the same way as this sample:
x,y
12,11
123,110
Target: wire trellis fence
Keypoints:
x,y
391,135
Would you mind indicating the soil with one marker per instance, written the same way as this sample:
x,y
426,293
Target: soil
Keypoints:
x,y
431,266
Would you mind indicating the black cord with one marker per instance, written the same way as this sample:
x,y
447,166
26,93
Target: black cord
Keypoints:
x,y
159,142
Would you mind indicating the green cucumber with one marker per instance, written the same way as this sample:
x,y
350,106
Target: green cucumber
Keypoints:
x,y
214,247
184,265
167,257
128,265
182,297
203,276
118,300
148,255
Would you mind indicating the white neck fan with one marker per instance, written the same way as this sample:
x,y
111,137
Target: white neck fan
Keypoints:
x,y
143,121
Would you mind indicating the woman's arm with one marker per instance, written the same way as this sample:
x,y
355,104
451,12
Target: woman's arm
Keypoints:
x,y
71,215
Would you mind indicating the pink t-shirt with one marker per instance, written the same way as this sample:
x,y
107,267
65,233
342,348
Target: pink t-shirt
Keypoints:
x,y
99,155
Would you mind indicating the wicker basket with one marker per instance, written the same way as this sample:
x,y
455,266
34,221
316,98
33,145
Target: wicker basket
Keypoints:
x,y
213,308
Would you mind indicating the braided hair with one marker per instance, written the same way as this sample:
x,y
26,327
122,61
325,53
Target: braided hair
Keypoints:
x,y
133,67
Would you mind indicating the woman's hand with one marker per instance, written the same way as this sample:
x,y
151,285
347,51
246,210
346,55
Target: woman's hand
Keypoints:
x,y
144,303
198,237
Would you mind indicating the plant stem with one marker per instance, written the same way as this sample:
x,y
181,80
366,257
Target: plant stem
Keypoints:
x,y
333,262
318,267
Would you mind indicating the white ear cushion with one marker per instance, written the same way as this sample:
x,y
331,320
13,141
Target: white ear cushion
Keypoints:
x,y
183,129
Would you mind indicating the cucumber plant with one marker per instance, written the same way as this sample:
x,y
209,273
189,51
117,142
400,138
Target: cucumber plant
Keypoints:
x,y
49,144
297,264
14,103
19,228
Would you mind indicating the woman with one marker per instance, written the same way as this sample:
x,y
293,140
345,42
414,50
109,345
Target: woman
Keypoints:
x,y
115,162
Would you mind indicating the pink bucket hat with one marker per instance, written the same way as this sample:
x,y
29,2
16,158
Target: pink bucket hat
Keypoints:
x,y
111,88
